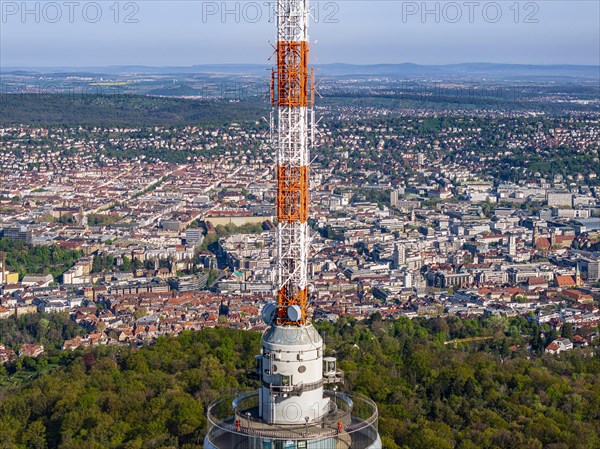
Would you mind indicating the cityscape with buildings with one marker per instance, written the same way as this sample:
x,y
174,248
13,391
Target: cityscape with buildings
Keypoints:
x,y
387,240
424,216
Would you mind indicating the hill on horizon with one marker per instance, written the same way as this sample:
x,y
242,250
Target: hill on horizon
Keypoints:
x,y
481,70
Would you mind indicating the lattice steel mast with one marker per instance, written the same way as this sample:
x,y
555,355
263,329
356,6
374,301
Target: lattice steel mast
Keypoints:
x,y
292,93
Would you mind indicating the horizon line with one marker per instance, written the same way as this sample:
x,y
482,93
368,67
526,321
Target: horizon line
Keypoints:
x,y
24,67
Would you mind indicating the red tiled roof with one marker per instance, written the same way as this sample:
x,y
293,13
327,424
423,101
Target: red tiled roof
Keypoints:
x,y
543,242
564,238
536,281
514,290
565,281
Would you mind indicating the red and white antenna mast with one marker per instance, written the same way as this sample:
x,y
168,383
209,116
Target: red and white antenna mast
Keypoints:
x,y
292,94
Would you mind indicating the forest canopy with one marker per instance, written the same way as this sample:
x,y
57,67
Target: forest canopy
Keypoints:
x,y
486,394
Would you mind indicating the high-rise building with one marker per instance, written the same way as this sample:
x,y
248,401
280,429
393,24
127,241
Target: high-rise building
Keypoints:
x,y
594,270
512,246
394,198
408,279
399,255
292,409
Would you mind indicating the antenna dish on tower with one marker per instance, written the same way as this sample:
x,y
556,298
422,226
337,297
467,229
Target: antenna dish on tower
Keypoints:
x,y
269,313
294,313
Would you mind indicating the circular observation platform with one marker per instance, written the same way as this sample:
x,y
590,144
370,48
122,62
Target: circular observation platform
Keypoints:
x,y
350,423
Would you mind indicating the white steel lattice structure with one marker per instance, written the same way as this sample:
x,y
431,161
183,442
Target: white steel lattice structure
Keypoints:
x,y
292,93
291,409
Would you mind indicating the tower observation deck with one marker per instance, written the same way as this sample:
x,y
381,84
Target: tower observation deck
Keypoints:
x,y
292,408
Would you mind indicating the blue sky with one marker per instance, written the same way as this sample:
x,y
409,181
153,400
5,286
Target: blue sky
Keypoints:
x,y
156,32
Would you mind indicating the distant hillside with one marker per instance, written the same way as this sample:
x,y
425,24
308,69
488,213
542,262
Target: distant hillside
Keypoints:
x,y
175,91
509,72
121,110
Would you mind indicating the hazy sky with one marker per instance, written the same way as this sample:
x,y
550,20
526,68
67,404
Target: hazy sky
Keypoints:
x,y
157,32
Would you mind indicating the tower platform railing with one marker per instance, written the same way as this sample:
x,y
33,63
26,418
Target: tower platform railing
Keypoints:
x,y
293,390
350,423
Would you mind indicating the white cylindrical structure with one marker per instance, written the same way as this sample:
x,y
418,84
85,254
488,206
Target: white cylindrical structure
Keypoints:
x,y
291,390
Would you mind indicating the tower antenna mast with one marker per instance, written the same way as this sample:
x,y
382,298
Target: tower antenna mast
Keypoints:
x,y
292,96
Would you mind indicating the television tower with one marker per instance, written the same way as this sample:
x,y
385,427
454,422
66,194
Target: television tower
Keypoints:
x,y
291,409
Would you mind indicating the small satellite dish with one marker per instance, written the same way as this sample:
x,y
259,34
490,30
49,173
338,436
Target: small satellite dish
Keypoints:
x,y
294,313
269,312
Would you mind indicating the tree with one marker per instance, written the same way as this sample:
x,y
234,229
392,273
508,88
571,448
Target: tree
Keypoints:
x,y
127,265
567,331
34,436
429,395
139,313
